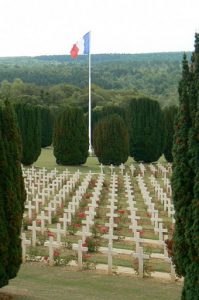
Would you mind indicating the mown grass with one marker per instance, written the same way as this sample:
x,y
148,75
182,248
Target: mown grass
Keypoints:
x,y
38,282
47,160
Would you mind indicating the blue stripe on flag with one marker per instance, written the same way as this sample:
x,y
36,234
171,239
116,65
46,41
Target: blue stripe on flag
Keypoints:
x,y
86,38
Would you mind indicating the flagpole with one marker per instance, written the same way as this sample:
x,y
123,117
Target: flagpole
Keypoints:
x,y
89,97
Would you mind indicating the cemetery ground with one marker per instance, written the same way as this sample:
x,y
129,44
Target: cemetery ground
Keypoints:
x,y
82,223
38,282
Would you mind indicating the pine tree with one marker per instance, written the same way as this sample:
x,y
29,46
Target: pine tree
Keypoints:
x,y
46,127
70,138
169,116
185,179
12,195
146,129
29,121
111,141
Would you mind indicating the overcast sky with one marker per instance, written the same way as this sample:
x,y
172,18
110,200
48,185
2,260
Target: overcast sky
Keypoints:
x,y
37,27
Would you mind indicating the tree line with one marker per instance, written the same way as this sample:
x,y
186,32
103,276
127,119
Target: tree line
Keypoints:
x,y
140,129
155,75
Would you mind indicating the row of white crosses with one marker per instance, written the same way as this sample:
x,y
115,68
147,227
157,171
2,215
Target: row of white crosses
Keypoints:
x,y
59,231
158,222
50,208
142,169
90,214
37,191
167,184
162,196
73,205
153,169
112,206
51,244
132,209
139,254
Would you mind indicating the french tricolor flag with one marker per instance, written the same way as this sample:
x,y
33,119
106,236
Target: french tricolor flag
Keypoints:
x,y
82,46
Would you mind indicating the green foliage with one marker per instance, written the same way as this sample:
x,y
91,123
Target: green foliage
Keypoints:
x,y
46,127
12,196
70,138
185,180
29,121
111,140
146,129
170,113
52,79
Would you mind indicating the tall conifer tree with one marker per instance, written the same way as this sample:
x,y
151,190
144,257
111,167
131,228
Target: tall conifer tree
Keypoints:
x,y
46,127
146,129
185,180
12,195
70,137
169,116
111,140
29,121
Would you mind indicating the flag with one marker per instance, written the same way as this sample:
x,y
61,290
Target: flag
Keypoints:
x,y
82,46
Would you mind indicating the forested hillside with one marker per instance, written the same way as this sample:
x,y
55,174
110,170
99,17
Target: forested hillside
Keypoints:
x,y
155,74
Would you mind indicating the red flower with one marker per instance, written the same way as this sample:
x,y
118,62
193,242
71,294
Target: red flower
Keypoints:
x,y
56,253
77,225
85,245
103,229
88,195
121,211
87,256
82,215
141,232
51,234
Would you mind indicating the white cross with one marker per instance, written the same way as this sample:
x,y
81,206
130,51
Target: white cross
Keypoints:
x,y
34,229
173,273
101,168
64,220
110,236
85,232
24,243
110,253
161,231
42,217
141,256
29,206
112,168
51,244
79,248
58,231
50,209
122,168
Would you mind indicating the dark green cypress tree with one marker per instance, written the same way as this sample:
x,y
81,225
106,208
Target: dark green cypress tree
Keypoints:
x,y
185,180
12,194
46,127
70,138
169,116
29,121
146,129
111,140
182,174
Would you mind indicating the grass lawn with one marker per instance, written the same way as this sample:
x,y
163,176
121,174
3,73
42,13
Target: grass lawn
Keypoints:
x,y
36,281
47,160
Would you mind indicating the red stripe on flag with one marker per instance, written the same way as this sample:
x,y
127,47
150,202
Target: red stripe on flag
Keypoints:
x,y
74,51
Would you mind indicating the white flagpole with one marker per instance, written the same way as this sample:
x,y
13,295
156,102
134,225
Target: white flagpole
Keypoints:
x,y
89,97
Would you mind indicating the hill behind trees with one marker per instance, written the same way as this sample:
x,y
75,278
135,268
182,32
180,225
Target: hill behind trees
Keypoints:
x,y
153,74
